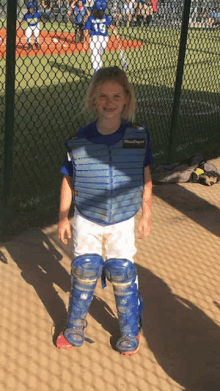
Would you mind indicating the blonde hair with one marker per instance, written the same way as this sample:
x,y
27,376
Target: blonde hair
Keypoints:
x,y
111,74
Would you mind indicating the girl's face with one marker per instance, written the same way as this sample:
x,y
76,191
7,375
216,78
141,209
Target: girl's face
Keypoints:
x,y
110,100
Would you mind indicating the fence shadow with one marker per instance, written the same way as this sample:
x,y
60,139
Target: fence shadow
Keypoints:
x,y
184,340
194,207
40,266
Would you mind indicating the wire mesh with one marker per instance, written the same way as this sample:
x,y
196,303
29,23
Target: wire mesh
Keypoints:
x,y
55,61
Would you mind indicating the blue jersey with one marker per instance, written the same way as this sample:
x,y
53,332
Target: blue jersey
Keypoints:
x,y
215,15
32,20
91,133
98,26
79,14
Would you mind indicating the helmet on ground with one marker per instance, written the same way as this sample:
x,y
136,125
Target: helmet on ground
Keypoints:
x,y
99,5
30,5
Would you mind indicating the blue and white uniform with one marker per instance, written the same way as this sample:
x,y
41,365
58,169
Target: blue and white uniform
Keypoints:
x,y
33,25
98,31
216,16
79,14
108,180
91,212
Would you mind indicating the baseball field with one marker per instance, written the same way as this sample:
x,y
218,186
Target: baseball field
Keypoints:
x,y
51,83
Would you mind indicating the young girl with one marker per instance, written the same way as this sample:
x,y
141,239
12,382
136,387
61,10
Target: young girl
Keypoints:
x,y
107,170
96,27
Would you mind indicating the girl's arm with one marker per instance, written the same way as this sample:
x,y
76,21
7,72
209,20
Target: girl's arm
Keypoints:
x,y
144,225
65,203
147,194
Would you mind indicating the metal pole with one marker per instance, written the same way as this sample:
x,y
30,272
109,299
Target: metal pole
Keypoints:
x,y
178,84
9,112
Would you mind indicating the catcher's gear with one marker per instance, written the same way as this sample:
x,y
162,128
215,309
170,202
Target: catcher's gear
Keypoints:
x,y
30,5
209,178
99,5
129,302
86,269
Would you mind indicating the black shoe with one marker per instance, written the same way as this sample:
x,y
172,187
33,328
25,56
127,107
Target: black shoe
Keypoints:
x,y
29,46
37,46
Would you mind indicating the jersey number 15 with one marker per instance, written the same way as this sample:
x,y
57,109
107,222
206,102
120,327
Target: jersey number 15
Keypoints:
x,y
100,27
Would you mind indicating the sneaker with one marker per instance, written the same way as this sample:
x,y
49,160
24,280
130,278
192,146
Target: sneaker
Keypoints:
x,y
29,46
62,343
37,45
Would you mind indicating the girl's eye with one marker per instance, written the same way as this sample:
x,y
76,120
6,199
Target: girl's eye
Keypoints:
x,y
117,96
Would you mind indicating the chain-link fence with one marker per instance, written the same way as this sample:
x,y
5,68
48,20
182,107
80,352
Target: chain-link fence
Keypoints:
x,y
55,60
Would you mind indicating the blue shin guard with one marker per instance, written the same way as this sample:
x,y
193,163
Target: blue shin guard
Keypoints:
x,y
86,269
122,273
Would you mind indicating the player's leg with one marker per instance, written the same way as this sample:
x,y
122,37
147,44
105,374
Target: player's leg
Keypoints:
x,y
36,32
76,33
121,271
101,46
86,269
81,33
94,49
28,34
85,272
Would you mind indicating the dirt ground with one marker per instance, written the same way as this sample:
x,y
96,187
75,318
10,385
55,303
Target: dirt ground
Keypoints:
x,y
179,277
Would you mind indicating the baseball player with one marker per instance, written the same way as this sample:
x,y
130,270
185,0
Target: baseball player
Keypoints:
x,y
81,13
96,27
32,17
107,170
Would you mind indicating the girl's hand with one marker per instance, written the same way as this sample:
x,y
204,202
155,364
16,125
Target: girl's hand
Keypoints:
x,y
144,227
64,228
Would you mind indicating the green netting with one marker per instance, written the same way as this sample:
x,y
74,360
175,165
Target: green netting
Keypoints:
x,y
51,81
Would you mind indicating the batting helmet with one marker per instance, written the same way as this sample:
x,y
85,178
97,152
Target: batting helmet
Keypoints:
x,y
99,5
30,5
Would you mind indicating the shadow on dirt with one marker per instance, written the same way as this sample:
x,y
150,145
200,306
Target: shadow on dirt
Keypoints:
x,y
183,339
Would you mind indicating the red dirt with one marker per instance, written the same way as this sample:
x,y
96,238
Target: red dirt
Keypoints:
x,y
58,43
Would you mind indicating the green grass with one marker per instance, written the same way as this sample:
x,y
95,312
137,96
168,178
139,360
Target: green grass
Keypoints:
x,y
49,101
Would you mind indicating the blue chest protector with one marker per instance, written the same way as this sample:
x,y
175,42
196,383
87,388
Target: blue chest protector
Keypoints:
x,y
109,180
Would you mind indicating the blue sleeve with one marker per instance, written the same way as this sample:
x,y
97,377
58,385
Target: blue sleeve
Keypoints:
x,y
25,17
148,159
67,168
87,25
108,21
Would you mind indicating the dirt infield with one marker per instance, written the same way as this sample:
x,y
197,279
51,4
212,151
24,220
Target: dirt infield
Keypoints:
x,y
58,43
179,278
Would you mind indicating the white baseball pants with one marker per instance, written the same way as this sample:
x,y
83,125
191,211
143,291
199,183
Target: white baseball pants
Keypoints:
x,y
35,30
98,44
88,238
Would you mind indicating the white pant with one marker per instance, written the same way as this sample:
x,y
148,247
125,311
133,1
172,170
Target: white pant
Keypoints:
x,y
98,44
35,30
88,236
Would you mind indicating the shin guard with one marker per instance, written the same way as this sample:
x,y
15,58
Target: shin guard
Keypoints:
x,y
122,273
86,269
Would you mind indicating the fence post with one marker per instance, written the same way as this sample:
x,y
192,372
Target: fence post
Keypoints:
x,y
178,83
9,112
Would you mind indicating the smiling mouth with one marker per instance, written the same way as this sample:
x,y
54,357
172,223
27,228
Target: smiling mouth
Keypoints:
x,y
109,109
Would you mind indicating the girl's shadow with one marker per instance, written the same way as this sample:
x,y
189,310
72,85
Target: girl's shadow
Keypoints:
x,y
40,266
